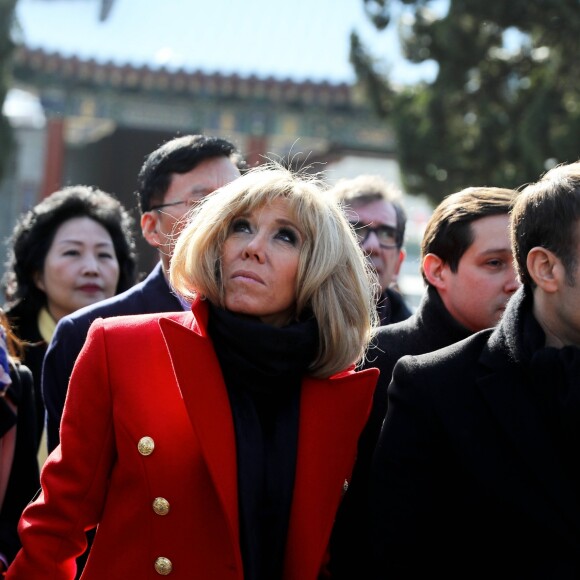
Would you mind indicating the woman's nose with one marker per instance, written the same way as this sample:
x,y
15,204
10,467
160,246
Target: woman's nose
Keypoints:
x,y
90,265
255,248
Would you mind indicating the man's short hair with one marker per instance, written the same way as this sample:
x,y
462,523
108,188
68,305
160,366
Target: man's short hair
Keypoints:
x,y
449,234
180,155
365,189
546,215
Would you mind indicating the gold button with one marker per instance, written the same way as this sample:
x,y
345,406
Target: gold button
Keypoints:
x,y
146,445
161,506
163,566
345,486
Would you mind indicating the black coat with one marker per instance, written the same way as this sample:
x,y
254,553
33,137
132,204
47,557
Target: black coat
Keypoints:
x,y
24,322
466,481
430,328
151,295
24,480
391,307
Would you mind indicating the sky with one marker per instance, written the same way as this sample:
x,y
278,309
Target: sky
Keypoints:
x,y
297,39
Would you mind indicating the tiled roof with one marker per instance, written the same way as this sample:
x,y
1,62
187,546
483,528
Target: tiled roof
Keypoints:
x,y
49,67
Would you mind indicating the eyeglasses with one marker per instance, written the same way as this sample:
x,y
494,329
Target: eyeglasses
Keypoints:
x,y
386,235
188,203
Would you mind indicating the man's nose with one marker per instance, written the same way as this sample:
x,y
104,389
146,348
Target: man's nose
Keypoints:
x,y
512,281
371,244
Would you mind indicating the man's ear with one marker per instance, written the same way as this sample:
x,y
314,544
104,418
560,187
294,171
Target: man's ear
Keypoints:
x,y
435,271
149,228
400,258
545,269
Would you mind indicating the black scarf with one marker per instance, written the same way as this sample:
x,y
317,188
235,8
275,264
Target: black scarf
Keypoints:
x,y
554,378
263,367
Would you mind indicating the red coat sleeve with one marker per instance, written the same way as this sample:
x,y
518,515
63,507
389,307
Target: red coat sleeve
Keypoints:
x,y
74,479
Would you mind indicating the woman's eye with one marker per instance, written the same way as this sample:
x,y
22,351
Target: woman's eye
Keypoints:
x,y
106,256
241,225
287,235
71,253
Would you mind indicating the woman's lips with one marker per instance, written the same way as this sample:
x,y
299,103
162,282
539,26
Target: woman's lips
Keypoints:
x,y
90,288
247,275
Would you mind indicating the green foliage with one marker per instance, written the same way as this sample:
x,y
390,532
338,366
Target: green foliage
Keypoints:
x,y
7,9
504,105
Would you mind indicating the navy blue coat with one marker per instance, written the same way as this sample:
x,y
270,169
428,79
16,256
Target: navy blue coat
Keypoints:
x,y
150,296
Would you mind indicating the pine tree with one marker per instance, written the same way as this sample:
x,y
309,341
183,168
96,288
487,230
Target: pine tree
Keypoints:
x,y
504,105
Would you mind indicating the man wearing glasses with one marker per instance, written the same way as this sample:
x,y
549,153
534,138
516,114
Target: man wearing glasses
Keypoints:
x,y
374,208
173,178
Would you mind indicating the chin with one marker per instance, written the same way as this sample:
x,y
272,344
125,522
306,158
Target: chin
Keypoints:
x,y
88,302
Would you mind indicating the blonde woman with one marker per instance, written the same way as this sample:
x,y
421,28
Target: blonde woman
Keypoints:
x,y
216,443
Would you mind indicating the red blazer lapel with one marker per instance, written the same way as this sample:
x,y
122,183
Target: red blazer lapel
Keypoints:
x,y
333,413
200,381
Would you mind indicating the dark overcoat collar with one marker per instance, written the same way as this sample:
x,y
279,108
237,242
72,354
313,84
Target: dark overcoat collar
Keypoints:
x,y
504,384
436,322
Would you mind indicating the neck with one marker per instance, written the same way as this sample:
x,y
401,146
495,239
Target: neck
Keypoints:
x,y
165,268
548,319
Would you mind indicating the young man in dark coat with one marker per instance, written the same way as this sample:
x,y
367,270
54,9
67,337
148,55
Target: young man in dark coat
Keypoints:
x,y
173,177
467,265
476,473
375,209
466,262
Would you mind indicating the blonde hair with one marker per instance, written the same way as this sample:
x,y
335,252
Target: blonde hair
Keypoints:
x,y
334,280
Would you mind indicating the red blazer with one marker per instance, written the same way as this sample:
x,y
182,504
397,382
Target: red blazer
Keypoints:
x,y
148,453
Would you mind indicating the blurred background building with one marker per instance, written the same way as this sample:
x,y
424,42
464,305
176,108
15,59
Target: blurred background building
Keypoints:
x,y
89,120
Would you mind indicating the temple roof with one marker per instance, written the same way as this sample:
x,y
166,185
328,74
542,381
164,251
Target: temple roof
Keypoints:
x,y
42,67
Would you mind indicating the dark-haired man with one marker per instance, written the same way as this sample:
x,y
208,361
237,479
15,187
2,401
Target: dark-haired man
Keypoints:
x,y
173,178
467,264
476,474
